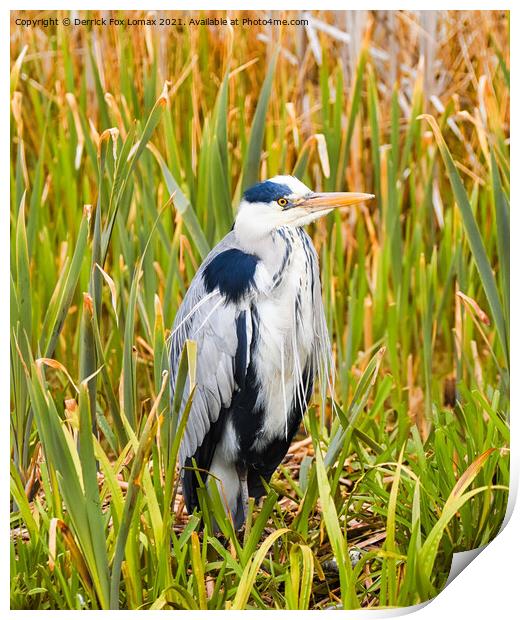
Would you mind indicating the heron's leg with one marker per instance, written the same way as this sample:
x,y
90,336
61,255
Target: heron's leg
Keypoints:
x,y
244,491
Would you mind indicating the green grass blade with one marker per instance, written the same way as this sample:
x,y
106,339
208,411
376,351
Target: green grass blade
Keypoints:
x,y
474,238
256,136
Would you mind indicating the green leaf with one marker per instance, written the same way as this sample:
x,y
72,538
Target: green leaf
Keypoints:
x,y
183,206
252,567
92,501
23,282
62,297
454,503
474,237
337,538
256,135
503,236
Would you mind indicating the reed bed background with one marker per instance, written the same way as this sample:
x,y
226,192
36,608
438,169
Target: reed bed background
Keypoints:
x,y
130,150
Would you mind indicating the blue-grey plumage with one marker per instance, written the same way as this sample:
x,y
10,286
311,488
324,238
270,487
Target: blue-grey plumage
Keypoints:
x,y
256,312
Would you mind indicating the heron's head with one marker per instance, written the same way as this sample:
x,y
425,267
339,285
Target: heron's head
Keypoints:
x,y
286,201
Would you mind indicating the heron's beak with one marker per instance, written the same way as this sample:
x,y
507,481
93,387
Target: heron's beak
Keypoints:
x,y
332,200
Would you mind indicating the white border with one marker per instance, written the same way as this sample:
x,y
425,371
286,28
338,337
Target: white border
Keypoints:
x,y
488,585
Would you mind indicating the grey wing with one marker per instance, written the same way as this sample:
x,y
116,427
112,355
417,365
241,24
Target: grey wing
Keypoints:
x,y
222,332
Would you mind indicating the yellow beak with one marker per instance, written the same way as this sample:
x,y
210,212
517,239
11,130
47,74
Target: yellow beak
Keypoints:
x,y
332,200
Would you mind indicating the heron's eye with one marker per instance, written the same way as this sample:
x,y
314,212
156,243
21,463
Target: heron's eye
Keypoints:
x,y
282,201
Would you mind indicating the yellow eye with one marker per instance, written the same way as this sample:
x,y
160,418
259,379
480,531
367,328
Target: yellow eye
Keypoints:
x,y
282,202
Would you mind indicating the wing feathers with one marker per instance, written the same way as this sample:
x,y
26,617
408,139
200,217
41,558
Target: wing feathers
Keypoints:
x,y
221,326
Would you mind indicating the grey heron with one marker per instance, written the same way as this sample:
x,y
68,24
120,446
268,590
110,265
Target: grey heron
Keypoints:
x,y
256,312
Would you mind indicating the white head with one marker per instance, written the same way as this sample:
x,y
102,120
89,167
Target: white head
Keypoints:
x,y
285,201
